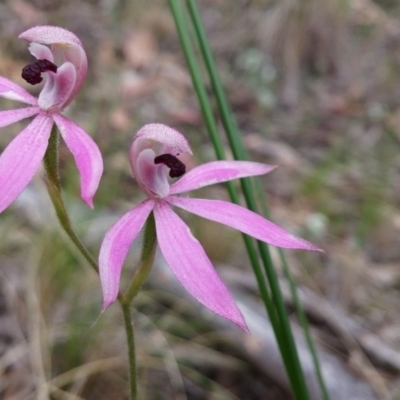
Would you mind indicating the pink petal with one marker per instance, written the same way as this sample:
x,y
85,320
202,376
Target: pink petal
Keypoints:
x,y
10,116
47,34
151,178
115,247
41,52
20,160
216,172
184,254
76,56
243,220
158,139
87,156
58,88
12,91
172,140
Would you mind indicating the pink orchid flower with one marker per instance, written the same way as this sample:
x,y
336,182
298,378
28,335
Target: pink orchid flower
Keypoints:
x,y
153,153
64,66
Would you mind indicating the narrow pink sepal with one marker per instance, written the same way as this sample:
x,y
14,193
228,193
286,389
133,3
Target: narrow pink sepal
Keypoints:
x,y
115,247
10,116
58,88
243,220
217,172
189,262
86,153
47,34
21,158
12,91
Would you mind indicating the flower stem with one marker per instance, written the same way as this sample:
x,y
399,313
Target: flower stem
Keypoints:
x,y
146,259
54,188
126,310
140,276
50,159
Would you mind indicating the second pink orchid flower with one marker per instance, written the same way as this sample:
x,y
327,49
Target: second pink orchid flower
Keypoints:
x,y
153,156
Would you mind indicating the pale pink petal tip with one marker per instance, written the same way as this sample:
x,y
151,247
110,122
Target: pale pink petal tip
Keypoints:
x,y
173,140
47,34
243,326
107,304
89,202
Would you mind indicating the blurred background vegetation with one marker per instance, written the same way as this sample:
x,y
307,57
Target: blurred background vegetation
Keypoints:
x,y
315,89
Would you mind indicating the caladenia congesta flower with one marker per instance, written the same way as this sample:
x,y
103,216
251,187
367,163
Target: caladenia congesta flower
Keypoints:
x,y
153,156
61,62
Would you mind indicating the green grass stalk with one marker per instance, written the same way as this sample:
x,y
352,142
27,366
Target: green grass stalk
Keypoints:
x,y
210,122
290,354
291,360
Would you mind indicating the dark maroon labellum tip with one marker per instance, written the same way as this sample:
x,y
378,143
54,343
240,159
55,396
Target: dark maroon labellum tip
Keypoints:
x,y
32,72
177,167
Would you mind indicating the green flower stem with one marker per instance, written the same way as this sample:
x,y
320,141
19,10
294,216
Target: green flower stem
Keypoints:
x,y
50,159
140,276
126,310
54,188
146,260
